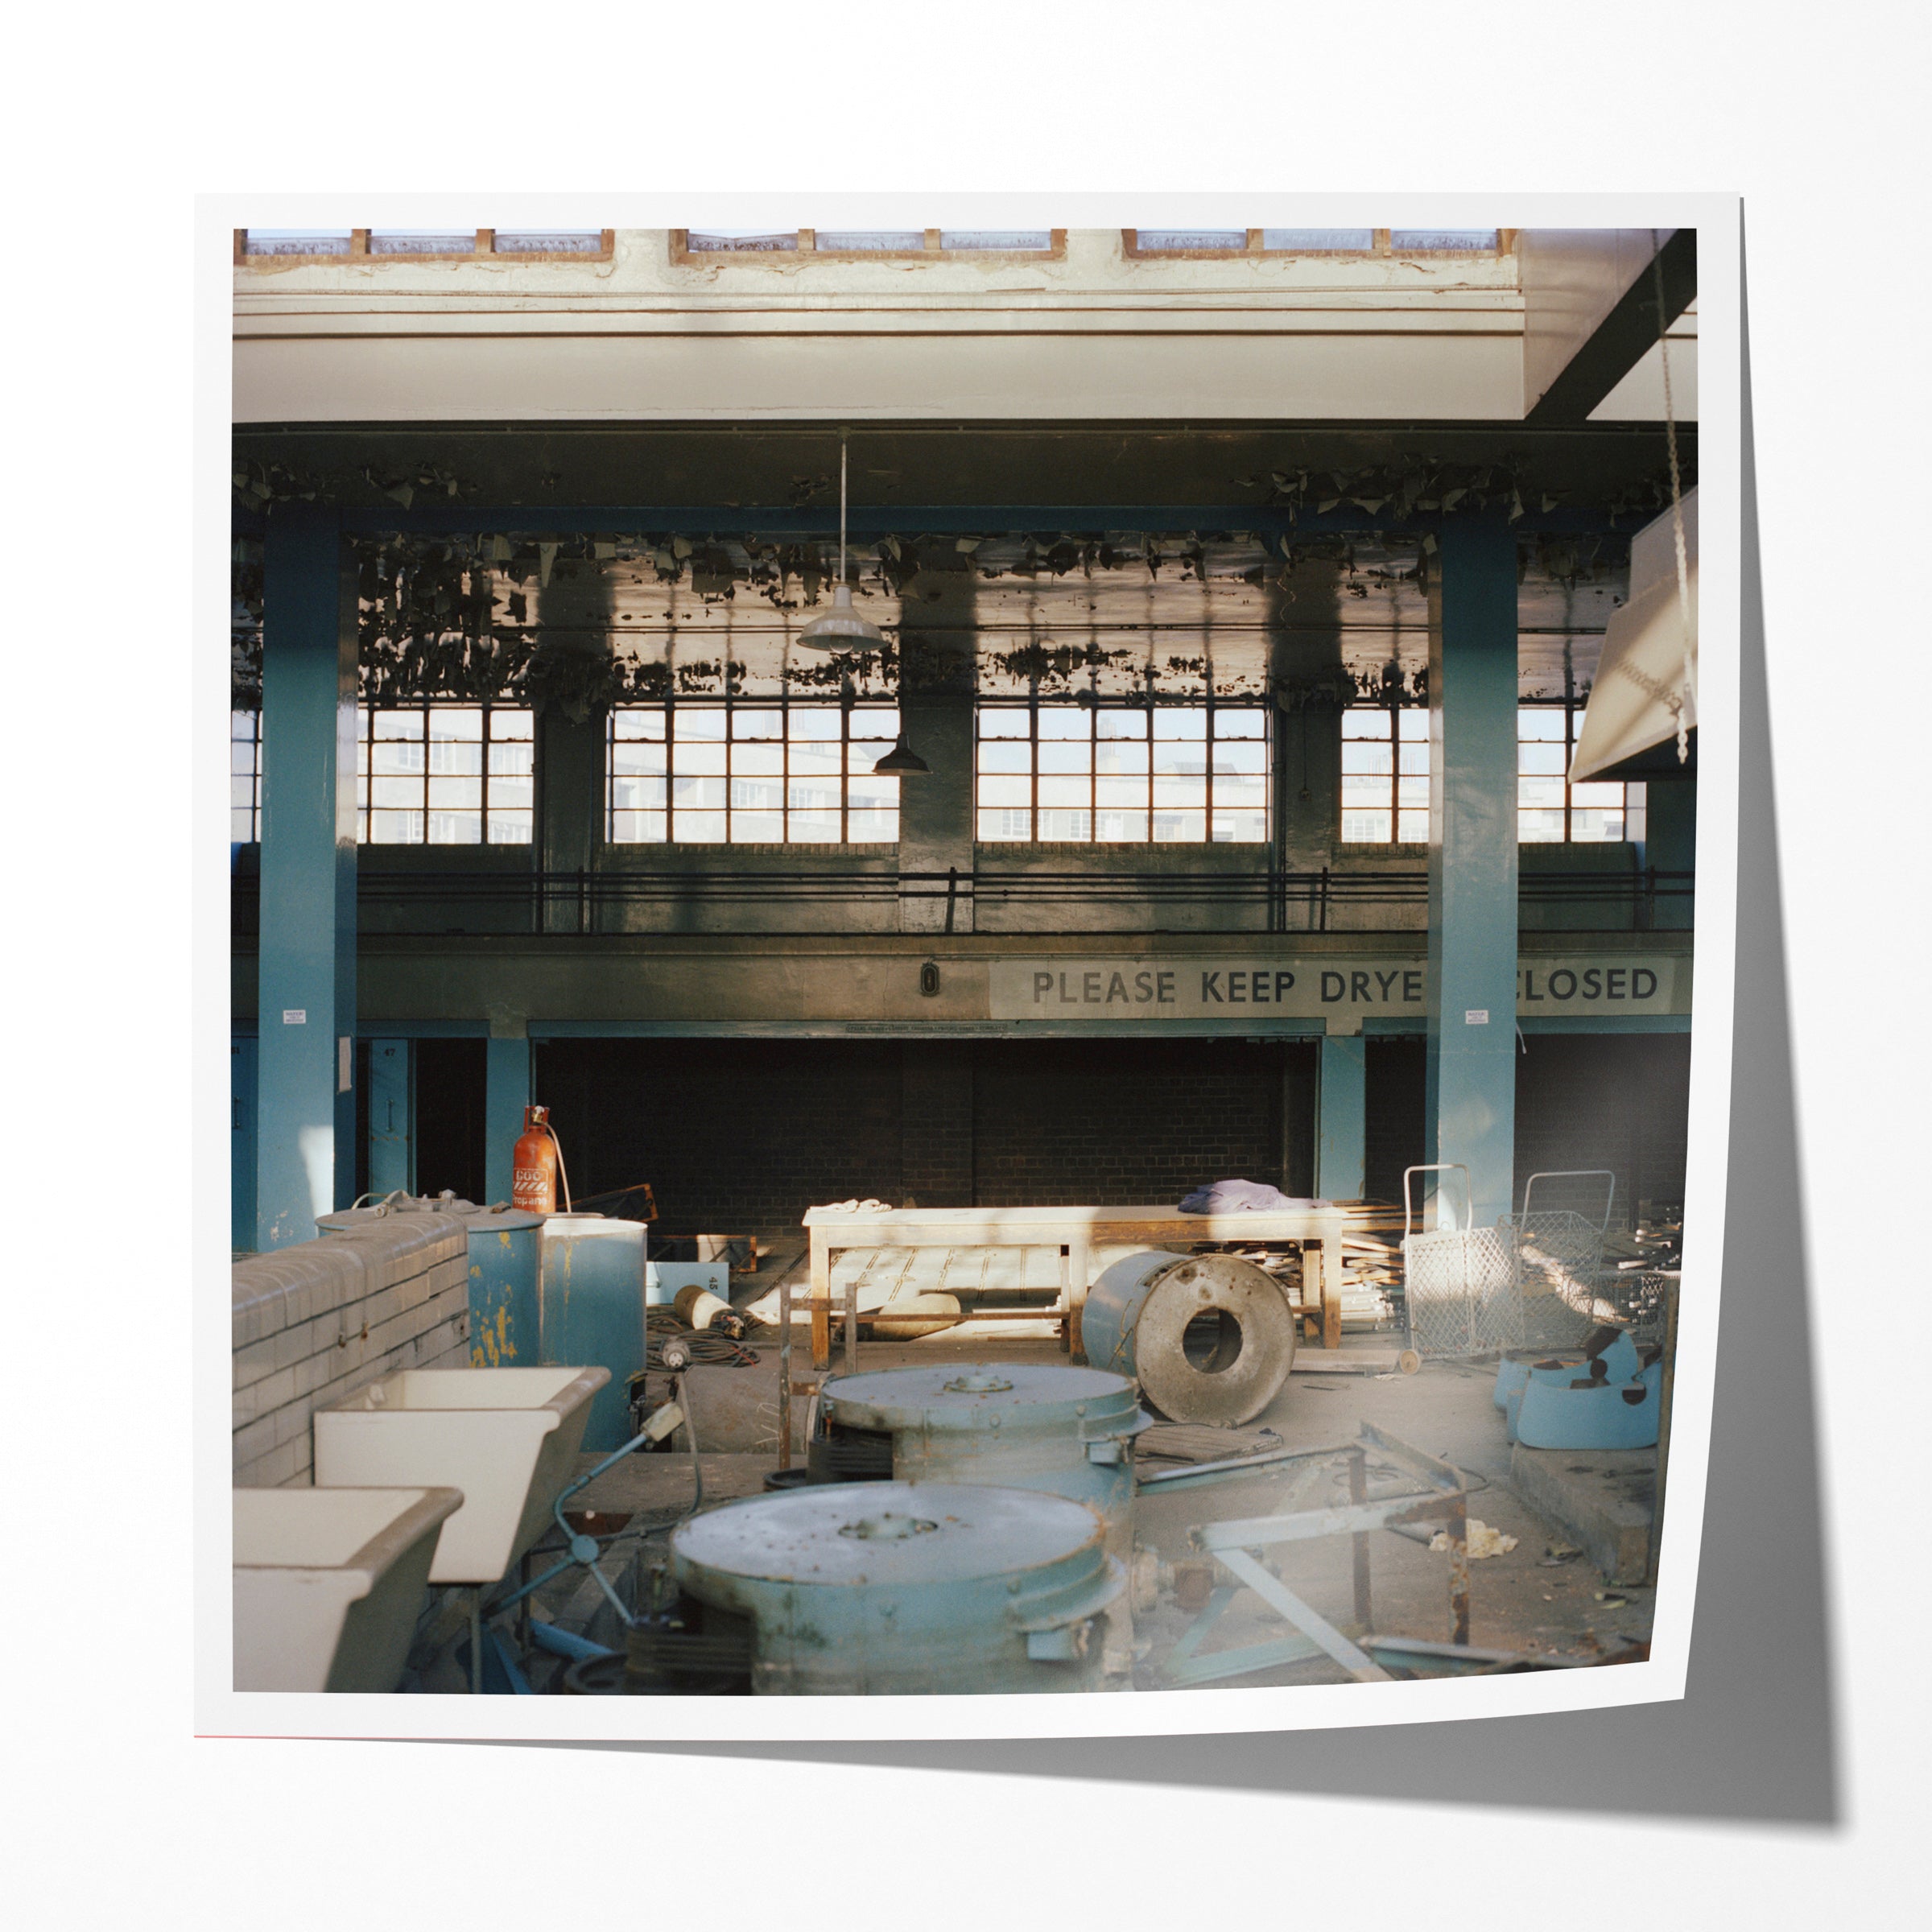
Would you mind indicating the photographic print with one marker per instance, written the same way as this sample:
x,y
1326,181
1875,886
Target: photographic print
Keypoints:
x,y
980,975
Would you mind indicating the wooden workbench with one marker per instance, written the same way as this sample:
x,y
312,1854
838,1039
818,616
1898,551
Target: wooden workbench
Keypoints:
x,y
1076,1232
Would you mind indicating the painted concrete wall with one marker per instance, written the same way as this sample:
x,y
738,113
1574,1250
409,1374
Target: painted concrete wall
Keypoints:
x,y
1093,335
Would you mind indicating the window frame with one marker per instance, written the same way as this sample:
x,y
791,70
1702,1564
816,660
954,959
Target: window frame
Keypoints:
x,y
1394,841
1035,705
254,774
368,710
1380,244
484,248
683,255
1573,713
785,704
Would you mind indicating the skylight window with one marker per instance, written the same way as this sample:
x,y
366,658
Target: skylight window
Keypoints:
x,y
741,241
550,241
422,242
1317,241
871,240
297,240
1002,240
1443,240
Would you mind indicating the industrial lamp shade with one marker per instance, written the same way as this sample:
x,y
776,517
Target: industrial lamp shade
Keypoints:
x,y
901,761
841,628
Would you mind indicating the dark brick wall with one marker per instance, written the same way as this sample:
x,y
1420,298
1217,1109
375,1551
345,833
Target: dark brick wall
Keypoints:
x,y
734,1136
1092,1121
1619,1101
935,1136
1394,1094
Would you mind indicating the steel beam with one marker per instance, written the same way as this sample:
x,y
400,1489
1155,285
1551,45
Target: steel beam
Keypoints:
x,y
392,1141
1471,1107
1341,1123
305,1148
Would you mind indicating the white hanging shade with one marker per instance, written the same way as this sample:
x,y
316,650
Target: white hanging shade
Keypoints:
x,y
1646,676
841,628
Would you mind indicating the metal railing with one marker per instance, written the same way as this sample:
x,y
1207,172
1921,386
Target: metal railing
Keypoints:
x,y
589,901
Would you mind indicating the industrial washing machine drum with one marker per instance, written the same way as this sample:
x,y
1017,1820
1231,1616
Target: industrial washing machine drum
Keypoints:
x,y
1210,1338
1019,1426
892,1588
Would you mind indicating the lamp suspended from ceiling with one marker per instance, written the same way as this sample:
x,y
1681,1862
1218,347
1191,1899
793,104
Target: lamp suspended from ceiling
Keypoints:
x,y
901,761
841,628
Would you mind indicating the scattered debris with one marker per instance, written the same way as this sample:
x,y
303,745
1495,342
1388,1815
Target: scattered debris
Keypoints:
x,y
1483,1540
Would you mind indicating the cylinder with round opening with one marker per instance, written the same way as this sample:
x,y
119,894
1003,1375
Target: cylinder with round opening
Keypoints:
x,y
1210,1338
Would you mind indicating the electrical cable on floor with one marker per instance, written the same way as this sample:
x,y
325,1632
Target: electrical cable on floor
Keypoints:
x,y
662,1325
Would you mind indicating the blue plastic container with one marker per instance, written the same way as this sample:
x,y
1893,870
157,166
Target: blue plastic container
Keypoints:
x,y
1620,1412
504,1326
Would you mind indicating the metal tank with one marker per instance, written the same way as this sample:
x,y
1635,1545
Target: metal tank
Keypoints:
x,y
1066,1431
1210,1338
504,1321
590,1299
898,1588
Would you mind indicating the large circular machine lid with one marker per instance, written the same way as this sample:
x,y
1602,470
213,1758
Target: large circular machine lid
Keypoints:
x,y
415,1207
873,1534
950,1395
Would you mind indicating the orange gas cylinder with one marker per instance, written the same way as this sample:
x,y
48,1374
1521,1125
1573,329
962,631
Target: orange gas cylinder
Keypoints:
x,y
533,1174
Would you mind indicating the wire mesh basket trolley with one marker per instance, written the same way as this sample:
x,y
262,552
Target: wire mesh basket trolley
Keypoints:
x,y
1566,1285
1460,1295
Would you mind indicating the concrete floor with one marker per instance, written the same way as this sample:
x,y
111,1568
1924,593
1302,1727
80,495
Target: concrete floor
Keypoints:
x,y
1545,1597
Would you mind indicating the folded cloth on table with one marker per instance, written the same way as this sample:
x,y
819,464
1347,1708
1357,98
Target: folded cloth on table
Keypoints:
x,y
1244,1197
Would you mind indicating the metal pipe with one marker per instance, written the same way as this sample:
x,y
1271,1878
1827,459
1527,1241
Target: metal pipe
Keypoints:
x,y
785,1371
566,1643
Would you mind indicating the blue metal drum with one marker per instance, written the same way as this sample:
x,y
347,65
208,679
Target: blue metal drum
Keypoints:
x,y
863,1588
590,1293
504,1326
1067,1431
505,1332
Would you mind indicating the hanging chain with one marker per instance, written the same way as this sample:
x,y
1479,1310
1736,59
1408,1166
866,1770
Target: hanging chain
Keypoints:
x,y
1689,697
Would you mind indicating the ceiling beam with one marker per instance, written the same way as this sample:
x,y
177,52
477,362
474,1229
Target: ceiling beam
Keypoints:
x,y
1624,337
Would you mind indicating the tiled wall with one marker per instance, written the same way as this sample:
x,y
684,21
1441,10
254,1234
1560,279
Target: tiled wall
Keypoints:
x,y
314,1323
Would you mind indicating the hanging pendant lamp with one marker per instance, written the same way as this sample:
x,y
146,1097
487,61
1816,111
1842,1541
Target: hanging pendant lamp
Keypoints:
x,y
901,761
841,628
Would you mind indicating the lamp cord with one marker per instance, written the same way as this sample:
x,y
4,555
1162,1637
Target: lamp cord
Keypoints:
x,y
1677,507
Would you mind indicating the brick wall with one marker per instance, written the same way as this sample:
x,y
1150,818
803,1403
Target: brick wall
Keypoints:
x,y
935,1132
1148,1121
735,1136
1619,1101
1616,1100
314,1323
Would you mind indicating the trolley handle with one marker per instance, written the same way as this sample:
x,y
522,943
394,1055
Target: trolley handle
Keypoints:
x,y
1575,1174
1438,1167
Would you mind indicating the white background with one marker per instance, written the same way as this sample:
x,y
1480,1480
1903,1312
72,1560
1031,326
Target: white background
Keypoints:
x,y
118,1815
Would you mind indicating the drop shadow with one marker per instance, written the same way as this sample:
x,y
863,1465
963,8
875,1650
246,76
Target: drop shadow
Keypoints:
x,y
1756,1738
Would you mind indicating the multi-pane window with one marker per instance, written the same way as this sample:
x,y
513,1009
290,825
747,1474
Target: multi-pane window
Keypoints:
x,y
443,774
1548,810
243,776
739,774
1384,774
899,241
1110,774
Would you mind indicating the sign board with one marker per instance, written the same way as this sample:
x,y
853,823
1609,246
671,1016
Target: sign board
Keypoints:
x,y
1131,986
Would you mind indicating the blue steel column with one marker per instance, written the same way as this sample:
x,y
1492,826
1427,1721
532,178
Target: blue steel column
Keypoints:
x,y
241,1141
506,1094
1342,1118
392,1143
1472,861
305,1145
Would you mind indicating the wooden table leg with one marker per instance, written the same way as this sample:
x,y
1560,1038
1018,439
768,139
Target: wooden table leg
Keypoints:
x,y
821,1303
1330,1266
1076,1284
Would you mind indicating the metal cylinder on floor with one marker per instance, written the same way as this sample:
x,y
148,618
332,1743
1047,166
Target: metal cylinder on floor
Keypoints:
x,y
869,1588
1210,1338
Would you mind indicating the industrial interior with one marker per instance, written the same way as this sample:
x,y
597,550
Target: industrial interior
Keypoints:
x,y
962,961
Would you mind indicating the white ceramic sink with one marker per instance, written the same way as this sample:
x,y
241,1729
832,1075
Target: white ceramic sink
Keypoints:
x,y
507,1437
328,1583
